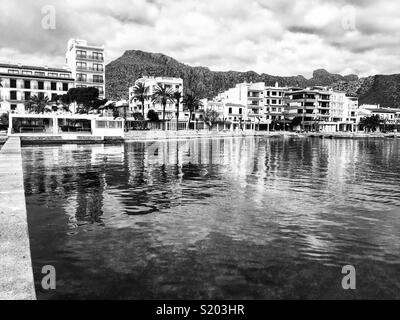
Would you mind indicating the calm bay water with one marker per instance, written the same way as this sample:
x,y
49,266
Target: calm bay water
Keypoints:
x,y
236,218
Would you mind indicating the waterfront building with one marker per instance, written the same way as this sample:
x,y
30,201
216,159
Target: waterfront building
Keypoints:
x,y
176,84
87,65
65,125
245,106
275,103
387,115
313,105
20,82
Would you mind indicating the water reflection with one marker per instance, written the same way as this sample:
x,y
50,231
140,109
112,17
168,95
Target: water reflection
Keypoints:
x,y
216,218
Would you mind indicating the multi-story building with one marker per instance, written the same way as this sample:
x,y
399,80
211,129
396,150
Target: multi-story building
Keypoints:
x,y
175,84
275,103
313,105
87,65
19,83
245,105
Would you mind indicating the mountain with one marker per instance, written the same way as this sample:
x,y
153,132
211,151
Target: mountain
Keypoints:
x,y
133,64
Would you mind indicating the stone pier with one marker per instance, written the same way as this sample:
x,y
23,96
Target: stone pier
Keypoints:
x,y
16,273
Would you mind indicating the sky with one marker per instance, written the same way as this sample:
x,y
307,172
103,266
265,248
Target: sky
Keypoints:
x,y
277,37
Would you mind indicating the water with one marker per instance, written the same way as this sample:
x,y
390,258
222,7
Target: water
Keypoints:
x,y
236,218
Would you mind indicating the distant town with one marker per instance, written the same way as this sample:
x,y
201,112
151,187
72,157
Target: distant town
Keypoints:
x,y
73,99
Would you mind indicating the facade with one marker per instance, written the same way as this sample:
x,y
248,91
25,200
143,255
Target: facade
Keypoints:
x,y
66,125
387,115
318,107
176,84
87,65
275,103
244,105
19,83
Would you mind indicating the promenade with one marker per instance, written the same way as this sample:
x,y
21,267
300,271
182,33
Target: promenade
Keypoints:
x,y
16,274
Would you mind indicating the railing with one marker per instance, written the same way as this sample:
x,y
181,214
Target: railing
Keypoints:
x,y
90,69
90,57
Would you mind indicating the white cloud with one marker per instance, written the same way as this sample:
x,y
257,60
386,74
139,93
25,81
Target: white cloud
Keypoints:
x,y
279,37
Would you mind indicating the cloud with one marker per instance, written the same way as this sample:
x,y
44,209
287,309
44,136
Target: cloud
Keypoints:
x,y
279,37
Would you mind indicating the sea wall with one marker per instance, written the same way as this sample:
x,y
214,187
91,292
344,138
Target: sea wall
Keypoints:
x,y
16,274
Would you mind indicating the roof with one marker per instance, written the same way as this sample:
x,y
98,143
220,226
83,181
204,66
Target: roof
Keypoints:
x,y
385,111
235,105
17,66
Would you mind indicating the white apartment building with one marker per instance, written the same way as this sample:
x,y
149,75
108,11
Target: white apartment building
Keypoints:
x,y
275,103
87,65
175,84
244,105
19,83
323,109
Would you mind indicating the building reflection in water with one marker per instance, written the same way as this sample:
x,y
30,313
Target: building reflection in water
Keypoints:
x,y
155,203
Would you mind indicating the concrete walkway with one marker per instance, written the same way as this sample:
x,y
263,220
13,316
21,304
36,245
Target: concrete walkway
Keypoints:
x,y
16,274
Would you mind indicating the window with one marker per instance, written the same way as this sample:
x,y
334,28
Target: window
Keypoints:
x,y
41,95
103,124
13,83
65,86
13,95
81,65
27,72
53,86
230,110
81,77
40,73
54,97
53,74
64,75
80,54
97,67
97,56
97,78
40,85
13,107
27,95
27,84
13,71
240,110
101,91
273,101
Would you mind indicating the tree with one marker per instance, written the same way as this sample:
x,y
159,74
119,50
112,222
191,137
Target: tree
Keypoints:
x,y
191,103
152,116
211,117
297,121
163,95
4,121
370,123
86,98
177,98
37,104
141,92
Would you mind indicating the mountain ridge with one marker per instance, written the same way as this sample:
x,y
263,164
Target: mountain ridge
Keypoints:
x,y
133,64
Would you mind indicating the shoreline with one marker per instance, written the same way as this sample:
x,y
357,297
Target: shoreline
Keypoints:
x,y
143,136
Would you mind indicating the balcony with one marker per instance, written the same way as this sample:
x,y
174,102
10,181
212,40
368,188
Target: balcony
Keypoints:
x,y
90,69
89,57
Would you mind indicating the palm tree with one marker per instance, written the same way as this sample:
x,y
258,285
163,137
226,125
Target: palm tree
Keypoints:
x,y
141,92
177,98
191,103
37,104
163,95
